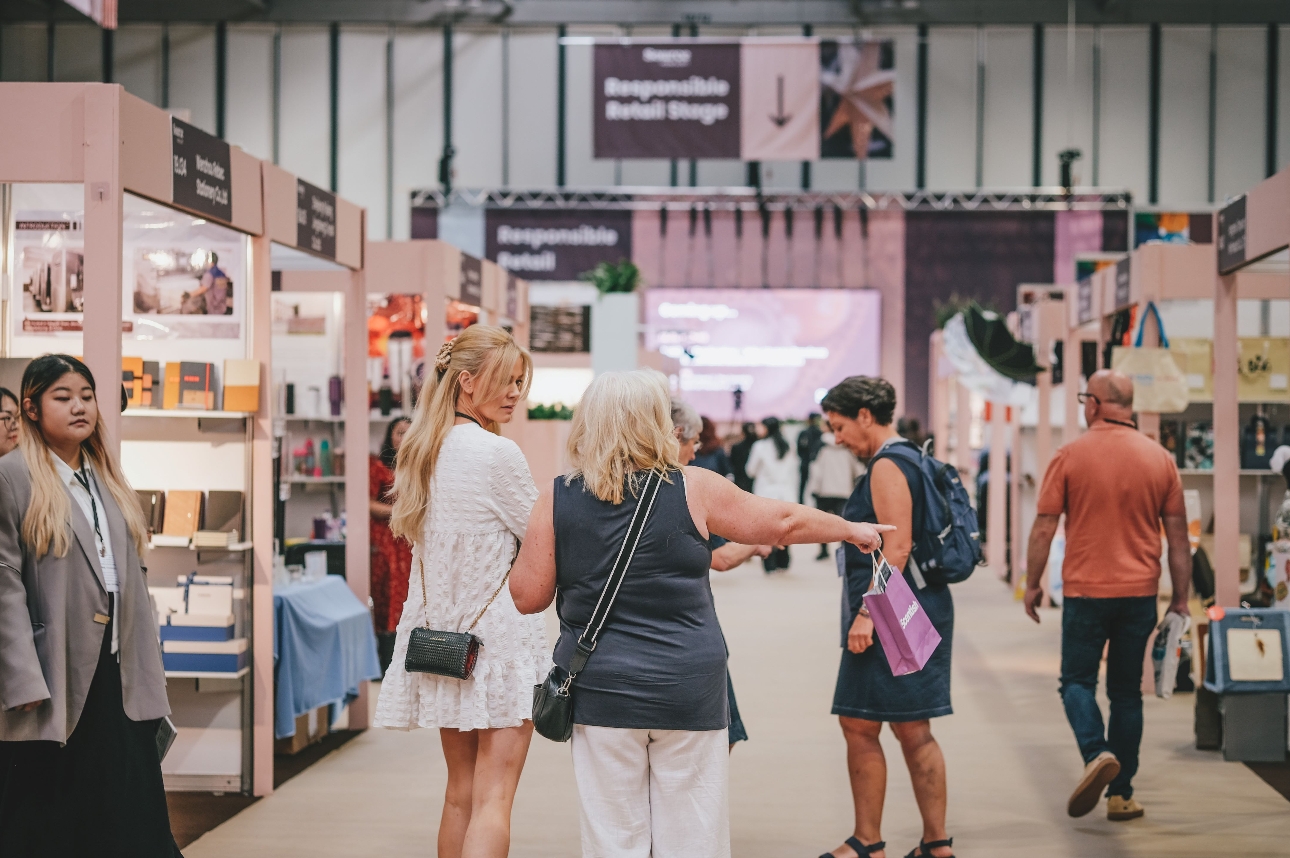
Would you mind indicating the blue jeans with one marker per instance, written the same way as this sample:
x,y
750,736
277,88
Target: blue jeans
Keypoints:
x,y
1087,626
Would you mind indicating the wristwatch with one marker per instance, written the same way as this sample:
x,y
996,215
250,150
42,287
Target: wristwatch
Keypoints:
x,y
863,612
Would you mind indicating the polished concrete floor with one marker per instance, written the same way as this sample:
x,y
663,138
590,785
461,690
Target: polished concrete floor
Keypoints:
x,y
1011,758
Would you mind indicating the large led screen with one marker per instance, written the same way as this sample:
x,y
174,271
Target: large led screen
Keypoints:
x,y
782,348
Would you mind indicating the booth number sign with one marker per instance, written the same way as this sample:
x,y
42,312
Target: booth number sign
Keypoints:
x,y
201,178
315,219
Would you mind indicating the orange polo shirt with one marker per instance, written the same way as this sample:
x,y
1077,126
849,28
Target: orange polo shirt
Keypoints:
x,y
1114,484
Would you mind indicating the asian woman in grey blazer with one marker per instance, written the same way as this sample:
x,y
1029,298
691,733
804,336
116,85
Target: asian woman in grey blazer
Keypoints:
x,y
82,689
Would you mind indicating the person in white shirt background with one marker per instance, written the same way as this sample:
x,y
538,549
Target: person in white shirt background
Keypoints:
x,y
775,471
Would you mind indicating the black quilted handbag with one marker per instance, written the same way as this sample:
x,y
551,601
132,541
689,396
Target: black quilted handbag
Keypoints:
x,y
451,654
553,699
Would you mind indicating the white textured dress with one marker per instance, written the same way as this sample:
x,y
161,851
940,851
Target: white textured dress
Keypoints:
x,y
480,498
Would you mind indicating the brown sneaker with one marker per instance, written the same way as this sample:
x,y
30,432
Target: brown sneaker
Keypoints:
x,y
1097,774
1119,808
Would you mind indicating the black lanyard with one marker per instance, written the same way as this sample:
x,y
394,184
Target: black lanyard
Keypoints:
x,y
471,419
1128,423
84,479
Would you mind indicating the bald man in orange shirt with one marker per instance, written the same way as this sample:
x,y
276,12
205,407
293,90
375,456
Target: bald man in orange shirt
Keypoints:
x,y
1115,486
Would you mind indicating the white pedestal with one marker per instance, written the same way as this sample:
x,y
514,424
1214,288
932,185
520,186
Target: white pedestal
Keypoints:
x,y
615,323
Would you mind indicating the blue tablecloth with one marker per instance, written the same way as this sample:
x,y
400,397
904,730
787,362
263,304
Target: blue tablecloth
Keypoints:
x,y
323,648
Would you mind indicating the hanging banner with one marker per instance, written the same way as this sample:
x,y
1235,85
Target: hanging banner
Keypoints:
x,y
780,114
553,244
754,99
666,100
857,97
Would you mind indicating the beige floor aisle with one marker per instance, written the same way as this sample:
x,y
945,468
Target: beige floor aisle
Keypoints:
x,y
1012,761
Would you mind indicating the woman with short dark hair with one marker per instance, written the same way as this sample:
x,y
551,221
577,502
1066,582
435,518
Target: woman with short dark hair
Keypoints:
x,y
860,411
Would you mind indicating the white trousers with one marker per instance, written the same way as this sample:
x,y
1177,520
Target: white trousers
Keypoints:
x,y
653,793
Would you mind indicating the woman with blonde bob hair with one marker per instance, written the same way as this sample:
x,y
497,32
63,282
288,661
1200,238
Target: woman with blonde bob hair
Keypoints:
x,y
462,496
82,689
649,707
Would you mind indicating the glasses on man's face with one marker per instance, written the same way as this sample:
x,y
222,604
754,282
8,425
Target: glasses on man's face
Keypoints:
x,y
1085,397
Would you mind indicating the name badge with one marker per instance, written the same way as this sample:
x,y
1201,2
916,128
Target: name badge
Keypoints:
x,y
102,619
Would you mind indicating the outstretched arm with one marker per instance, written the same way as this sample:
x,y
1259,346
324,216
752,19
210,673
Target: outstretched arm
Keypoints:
x,y
741,517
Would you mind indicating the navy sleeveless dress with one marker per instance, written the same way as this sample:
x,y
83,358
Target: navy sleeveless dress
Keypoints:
x,y
866,687
660,662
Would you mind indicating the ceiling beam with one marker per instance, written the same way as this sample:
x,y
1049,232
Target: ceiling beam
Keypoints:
x,y
728,13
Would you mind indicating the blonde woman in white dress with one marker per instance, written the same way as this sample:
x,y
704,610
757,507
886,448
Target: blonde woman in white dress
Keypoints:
x,y
462,497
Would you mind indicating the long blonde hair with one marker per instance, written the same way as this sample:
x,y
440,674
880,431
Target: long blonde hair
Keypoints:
x,y
488,353
622,426
47,525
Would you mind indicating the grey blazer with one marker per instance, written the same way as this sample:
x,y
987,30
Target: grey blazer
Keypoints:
x,y
49,640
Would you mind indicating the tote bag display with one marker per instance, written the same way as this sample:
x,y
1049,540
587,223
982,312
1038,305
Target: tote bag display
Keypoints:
x,y
907,635
1159,384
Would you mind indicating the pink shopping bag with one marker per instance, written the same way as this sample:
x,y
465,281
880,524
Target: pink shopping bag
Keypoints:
x,y
907,635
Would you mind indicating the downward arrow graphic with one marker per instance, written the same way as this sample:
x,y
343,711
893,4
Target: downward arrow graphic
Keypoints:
x,y
780,118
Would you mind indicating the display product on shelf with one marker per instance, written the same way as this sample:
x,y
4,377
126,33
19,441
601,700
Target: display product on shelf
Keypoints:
x,y
197,385
153,505
241,385
183,513
1199,455
223,512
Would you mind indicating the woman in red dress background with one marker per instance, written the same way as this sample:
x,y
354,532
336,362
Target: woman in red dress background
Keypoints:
x,y
391,556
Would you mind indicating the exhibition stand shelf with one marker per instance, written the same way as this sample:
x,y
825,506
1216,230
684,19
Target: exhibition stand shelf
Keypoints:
x,y
1250,231
144,245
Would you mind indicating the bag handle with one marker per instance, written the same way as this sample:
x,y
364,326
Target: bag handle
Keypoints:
x,y
587,640
1151,309
425,604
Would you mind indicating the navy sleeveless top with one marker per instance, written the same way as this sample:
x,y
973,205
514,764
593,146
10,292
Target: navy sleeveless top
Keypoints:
x,y
660,662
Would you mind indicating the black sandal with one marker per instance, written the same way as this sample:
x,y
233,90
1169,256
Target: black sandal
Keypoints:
x,y
923,850
861,850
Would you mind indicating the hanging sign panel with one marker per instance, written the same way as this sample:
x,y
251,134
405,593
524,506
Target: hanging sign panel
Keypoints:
x,y
201,175
666,100
857,98
552,244
756,99
472,281
1122,298
1231,236
315,219
1084,301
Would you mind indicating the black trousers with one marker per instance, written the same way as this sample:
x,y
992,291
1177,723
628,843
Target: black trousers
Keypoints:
x,y
99,795
833,505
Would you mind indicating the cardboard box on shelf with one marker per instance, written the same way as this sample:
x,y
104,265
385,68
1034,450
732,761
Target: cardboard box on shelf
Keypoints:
x,y
198,627
310,728
227,656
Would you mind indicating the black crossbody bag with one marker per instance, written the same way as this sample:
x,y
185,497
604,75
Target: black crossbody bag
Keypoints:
x,y
451,654
553,699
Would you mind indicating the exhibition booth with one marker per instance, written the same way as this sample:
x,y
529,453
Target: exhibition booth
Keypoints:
x,y
155,251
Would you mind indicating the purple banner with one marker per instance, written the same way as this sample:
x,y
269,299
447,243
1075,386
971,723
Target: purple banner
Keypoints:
x,y
667,100
553,244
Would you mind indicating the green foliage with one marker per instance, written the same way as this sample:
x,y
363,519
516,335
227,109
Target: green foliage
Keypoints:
x,y
620,276
558,411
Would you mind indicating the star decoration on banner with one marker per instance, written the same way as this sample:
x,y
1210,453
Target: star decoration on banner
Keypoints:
x,y
863,88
